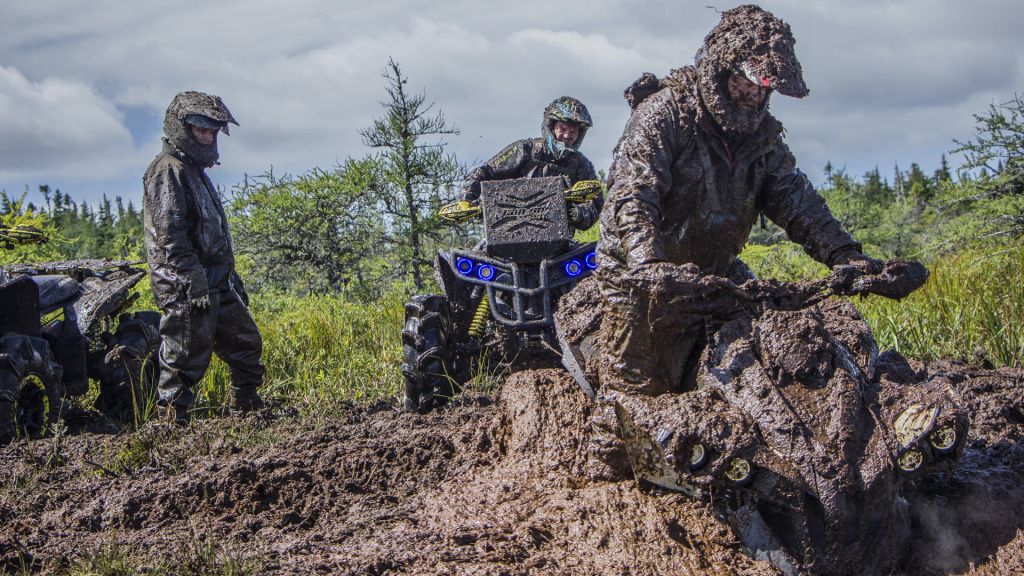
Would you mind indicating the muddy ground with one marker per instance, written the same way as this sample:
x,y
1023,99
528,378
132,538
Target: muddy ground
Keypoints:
x,y
487,487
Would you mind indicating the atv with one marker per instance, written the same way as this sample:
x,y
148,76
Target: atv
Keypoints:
x,y
499,298
797,431
40,348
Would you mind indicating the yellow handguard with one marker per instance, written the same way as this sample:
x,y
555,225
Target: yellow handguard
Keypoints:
x,y
21,235
583,191
459,212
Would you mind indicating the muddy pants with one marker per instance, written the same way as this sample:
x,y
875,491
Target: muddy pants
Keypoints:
x,y
189,338
649,345
645,348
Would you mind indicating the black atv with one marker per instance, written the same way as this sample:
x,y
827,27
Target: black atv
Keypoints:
x,y
500,296
39,351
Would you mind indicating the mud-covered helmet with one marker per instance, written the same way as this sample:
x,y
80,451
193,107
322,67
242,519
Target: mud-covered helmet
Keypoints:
x,y
753,43
565,109
201,110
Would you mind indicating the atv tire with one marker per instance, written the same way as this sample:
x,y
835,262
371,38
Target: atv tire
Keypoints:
x,y
30,387
128,371
428,357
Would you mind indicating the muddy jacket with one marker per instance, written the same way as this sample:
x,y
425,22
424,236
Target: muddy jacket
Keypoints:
x,y
529,158
188,246
680,192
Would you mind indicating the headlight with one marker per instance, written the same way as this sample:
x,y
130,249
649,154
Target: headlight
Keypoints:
x,y
485,272
464,266
591,260
573,268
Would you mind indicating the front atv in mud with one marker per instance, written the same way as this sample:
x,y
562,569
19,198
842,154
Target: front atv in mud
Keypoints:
x,y
499,298
802,436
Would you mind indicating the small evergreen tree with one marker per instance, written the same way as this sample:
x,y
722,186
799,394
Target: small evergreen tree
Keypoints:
x,y
414,176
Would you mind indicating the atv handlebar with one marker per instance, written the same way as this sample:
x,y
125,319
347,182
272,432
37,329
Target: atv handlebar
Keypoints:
x,y
704,293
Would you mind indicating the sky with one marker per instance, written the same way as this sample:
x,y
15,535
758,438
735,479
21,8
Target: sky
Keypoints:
x,y
84,84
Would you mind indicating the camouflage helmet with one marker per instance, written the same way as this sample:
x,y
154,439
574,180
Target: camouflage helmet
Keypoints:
x,y
565,109
753,43
201,110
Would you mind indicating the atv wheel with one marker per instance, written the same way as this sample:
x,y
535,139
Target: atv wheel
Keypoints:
x,y
127,375
427,356
30,387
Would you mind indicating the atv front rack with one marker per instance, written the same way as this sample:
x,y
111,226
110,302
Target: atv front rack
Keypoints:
x,y
507,283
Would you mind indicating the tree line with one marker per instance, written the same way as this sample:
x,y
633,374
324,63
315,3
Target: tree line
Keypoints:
x,y
369,224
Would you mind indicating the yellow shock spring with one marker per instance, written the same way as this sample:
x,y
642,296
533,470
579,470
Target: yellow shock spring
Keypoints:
x,y
483,309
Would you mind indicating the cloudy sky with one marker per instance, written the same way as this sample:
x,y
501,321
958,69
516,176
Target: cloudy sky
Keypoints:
x,y
83,84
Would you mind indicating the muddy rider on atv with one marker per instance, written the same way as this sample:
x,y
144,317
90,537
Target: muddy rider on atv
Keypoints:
x,y
556,153
699,161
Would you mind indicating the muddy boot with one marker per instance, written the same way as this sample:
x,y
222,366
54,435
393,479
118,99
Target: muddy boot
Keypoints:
x,y
607,460
245,401
174,414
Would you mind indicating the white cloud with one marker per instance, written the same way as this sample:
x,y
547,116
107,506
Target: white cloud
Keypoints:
x,y
56,126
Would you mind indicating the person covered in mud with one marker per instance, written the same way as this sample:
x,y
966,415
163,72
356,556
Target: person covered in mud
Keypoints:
x,y
192,266
699,161
556,153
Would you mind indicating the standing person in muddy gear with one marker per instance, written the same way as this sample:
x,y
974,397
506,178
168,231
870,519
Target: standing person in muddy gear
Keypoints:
x,y
556,153
699,161
191,264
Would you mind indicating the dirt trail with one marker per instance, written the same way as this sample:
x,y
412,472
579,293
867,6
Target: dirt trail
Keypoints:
x,y
485,488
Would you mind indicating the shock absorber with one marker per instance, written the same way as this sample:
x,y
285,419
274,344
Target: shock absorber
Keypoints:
x,y
483,309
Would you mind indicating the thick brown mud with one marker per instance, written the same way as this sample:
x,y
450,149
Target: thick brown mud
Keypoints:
x,y
482,488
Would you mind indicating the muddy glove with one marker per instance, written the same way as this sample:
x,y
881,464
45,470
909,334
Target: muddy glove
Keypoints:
x,y
895,279
200,305
850,265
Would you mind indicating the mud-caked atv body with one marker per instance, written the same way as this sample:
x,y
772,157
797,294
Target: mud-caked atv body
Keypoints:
x,y
39,349
804,438
499,298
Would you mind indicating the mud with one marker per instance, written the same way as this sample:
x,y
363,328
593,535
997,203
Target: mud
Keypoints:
x,y
483,488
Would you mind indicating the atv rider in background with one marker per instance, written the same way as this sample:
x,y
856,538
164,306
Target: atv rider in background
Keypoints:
x,y
699,161
191,264
556,153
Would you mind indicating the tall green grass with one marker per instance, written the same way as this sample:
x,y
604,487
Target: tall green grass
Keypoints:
x,y
321,351
973,302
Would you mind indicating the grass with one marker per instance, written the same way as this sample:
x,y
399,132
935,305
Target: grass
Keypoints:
x,y
322,351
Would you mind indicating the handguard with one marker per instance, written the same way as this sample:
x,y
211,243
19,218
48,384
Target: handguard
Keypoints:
x,y
21,235
583,191
459,212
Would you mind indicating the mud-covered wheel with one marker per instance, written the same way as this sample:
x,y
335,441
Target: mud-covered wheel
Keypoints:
x,y
127,375
427,354
30,387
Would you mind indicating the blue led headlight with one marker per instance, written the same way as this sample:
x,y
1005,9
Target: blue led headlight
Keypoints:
x,y
591,260
573,268
464,266
485,272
